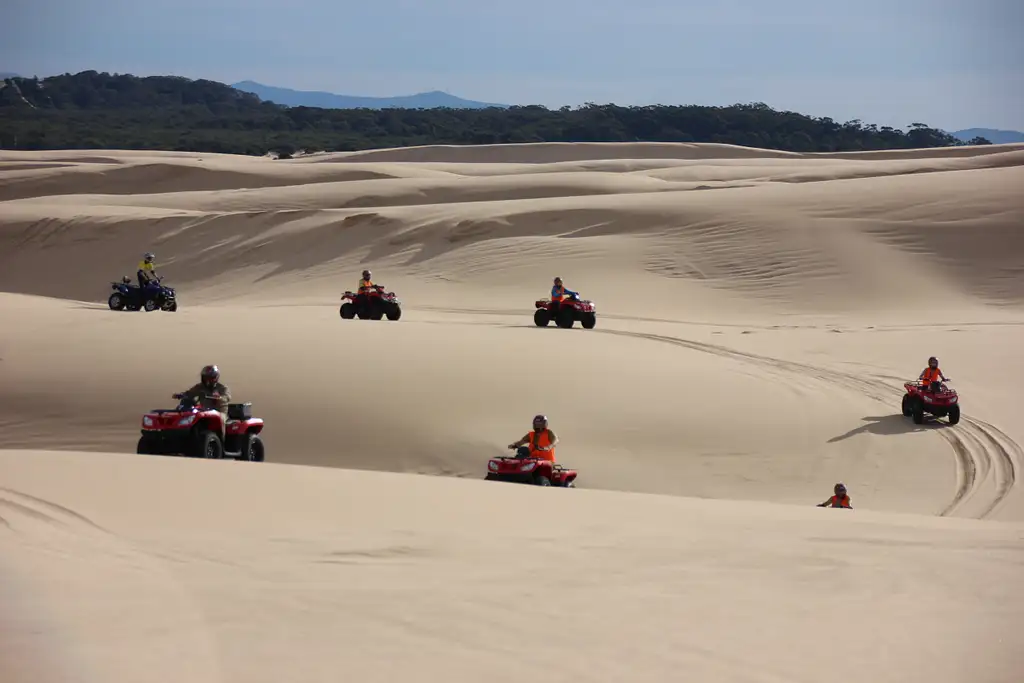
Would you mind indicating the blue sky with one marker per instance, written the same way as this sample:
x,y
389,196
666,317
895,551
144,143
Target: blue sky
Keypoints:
x,y
948,63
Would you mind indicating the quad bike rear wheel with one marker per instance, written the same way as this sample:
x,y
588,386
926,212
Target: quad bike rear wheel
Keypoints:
x,y
541,318
116,302
541,480
347,310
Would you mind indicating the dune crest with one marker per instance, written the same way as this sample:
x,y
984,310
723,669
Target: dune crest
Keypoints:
x,y
758,312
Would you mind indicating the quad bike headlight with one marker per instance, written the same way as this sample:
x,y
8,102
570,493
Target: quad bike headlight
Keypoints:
x,y
186,421
493,466
147,421
528,466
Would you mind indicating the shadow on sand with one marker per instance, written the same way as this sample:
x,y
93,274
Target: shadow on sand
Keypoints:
x,y
890,425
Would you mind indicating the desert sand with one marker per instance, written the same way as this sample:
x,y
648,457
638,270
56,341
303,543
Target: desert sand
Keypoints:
x,y
758,312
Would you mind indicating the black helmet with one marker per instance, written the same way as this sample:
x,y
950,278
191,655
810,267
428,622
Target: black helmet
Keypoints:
x,y
543,419
839,489
933,362
149,256
558,280
211,373
366,275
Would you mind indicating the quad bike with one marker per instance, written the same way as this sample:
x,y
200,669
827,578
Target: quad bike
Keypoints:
x,y
371,303
935,399
565,312
131,297
522,468
193,432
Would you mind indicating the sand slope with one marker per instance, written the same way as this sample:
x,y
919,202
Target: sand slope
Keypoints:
x,y
310,574
758,312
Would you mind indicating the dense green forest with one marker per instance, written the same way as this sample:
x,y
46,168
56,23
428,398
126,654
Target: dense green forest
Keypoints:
x,y
91,110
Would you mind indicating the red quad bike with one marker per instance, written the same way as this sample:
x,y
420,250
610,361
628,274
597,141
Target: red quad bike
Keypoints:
x,y
935,398
190,431
370,303
524,469
565,313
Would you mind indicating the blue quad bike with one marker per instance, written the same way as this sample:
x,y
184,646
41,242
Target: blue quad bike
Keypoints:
x,y
131,297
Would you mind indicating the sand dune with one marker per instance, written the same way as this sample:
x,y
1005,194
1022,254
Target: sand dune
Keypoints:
x,y
758,312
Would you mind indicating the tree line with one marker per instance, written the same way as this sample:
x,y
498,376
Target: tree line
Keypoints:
x,y
92,110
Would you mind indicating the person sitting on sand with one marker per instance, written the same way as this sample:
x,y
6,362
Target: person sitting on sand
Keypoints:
x,y
931,373
558,291
839,500
541,441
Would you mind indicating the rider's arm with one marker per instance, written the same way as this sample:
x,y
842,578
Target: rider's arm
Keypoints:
x,y
225,397
554,440
522,442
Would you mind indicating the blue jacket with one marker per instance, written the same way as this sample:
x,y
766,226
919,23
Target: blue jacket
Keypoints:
x,y
565,291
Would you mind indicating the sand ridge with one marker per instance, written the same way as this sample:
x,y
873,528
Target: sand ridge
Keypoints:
x,y
758,312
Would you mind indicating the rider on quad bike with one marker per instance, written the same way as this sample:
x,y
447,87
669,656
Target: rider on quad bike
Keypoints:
x,y
559,292
365,283
932,373
147,271
210,393
541,440
839,500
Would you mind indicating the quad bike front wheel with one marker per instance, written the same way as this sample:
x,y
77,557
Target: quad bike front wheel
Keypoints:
x,y
150,305
954,414
908,405
917,411
252,449
207,445
589,320
394,312
144,447
565,318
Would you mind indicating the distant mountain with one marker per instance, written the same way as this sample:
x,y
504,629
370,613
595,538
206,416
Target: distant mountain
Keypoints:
x,y
327,100
8,74
997,137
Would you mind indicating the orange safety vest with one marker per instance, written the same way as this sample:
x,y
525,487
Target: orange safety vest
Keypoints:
x,y
930,375
560,294
837,502
541,440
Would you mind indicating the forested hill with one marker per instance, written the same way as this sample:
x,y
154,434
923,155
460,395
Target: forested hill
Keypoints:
x,y
91,110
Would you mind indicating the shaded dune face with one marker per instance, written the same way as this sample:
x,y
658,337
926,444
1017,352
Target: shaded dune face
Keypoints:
x,y
722,276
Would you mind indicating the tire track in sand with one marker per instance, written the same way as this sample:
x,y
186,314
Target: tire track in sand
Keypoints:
x,y
981,450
